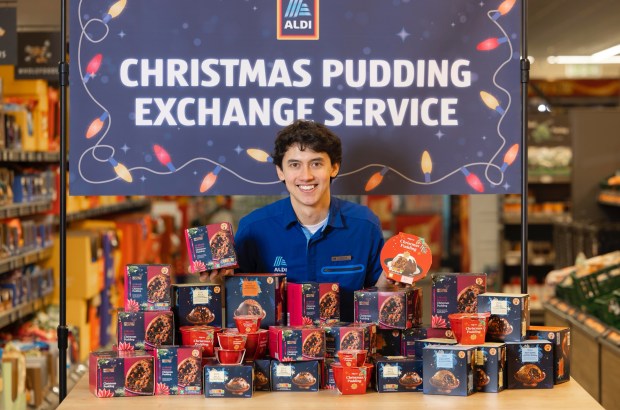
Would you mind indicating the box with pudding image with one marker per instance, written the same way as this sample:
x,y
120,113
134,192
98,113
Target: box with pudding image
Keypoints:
x,y
178,370
144,330
509,316
398,374
211,247
406,258
288,343
232,381
121,374
454,293
529,364
147,287
262,370
295,376
197,304
490,367
350,336
262,294
312,303
560,337
389,308
448,370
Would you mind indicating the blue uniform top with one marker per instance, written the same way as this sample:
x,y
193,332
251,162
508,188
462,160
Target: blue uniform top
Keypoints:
x,y
347,250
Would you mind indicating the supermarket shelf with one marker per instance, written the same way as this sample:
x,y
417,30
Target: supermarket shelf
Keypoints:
x,y
18,210
549,179
24,259
106,210
534,219
532,261
29,156
23,310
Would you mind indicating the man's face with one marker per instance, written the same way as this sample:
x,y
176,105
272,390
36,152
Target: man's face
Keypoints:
x,y
307,176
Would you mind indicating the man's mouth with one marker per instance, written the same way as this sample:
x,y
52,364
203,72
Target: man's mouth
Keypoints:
x,y
306,188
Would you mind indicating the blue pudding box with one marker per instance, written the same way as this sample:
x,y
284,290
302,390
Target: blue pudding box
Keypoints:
x,y
147,287
262,294
346,336
178,370
419,345
145,330
295,376
211,247
408,339
490,367
389,342
448,370
390,309
529,364
262,375
234,381
398,374
327,374
197,304
560,337
509,313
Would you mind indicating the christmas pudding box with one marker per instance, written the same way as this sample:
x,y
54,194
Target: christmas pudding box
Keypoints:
x,y
119,374
144,330
312,303
147,287
398,374
508,320
262,294
529,364
262,375
178,370
454,293
389,342
409,337
394,308
406,258
211,247
295,376
420,344
232,381
490,367
560,337
349,336
287,343
197,304
448,370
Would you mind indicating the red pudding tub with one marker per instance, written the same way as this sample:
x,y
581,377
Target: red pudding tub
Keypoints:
x,y
248,323
226,356
200,336
256,346
232,341
352,357
338,370
469,328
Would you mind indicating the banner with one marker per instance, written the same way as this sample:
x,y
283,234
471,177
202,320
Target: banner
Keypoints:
x,y
185,97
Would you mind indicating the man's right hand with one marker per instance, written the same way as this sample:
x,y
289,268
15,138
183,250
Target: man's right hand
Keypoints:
x,y
216,275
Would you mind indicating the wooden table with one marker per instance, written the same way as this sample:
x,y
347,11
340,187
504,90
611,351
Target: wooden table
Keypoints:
x,y
565,396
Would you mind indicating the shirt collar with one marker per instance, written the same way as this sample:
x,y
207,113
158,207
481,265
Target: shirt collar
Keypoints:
x,y
335,216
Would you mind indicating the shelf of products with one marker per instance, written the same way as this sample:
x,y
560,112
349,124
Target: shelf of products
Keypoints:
x,y
29,156
27,258
23,310
124,206
28,209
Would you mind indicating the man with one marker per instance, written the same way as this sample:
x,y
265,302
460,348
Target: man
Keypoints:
x,y
312,235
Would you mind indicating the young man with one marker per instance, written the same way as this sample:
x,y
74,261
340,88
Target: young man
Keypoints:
x,y
312,235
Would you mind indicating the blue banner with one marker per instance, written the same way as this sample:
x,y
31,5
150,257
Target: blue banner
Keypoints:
x,y
185,97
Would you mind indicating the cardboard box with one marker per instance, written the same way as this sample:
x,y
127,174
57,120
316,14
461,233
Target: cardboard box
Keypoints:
x,y
262,375
399,374
178,370
312,303
298,343
529,364
394,308
408,339
454,293
389,342
145,330
295,376
448,370
343,336
211,247
147,287
509,316
420,344
234,381
560,337
197,304
490,367
118,374
256,293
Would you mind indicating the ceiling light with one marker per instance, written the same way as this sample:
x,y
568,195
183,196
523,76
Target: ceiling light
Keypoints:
x,y
608,52
582,60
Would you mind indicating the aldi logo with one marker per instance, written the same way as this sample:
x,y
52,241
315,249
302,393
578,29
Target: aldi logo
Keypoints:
x,y
298,19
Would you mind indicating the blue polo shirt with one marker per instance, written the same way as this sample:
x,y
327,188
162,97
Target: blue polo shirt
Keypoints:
x,y
346,250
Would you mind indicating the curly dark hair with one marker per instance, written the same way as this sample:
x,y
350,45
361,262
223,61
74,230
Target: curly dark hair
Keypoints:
x,y
307,134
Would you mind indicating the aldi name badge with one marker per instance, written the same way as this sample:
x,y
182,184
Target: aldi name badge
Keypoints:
x,y
298,19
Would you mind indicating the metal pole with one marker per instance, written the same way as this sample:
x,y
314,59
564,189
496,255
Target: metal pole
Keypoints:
x,y
525,78
62,331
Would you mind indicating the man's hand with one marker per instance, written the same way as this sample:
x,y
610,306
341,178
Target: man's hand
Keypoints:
x,y
216,275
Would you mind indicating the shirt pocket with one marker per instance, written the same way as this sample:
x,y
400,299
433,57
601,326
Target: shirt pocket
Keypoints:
x,y
343,269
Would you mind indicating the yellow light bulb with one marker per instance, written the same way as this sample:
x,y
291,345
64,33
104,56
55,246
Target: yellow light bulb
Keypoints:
x,y
506,6
117,8
122,171
511,154
427,163
259,155
489,100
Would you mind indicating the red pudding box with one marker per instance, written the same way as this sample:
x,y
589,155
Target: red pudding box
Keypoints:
x,y
262,294
178,370
312,303
560,337
145,330
350,336
211,247
406,258
454,293
121,374
147,287
393,308
289,343
197,304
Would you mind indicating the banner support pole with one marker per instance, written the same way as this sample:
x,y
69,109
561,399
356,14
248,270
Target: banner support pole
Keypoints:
x,y
525,77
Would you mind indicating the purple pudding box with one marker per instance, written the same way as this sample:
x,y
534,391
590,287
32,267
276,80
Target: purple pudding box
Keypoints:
x,y
490,367
147,287
121,374
408,339
399,374
395,308
178,370
454,293
197,304
509,313
262,294
312,303
211,247
347,336
529,364
296,343
448,370
144,330
295,376
233,381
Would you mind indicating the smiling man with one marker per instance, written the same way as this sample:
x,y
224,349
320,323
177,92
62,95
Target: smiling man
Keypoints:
x,y
312,235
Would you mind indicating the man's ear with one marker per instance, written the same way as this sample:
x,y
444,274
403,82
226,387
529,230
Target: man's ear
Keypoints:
x,y
335,170
280,173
